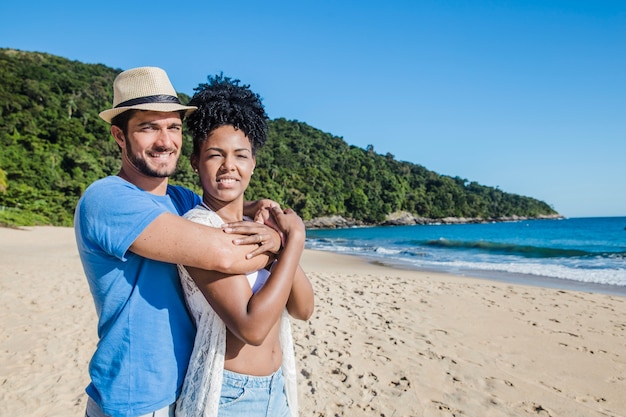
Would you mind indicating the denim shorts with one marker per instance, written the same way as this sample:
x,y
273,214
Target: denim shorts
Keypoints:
x,y
253,396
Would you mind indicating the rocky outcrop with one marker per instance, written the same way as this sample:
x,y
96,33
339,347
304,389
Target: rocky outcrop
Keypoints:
x,y
331,222
404,218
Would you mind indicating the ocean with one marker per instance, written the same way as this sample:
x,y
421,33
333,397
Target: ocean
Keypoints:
x,y
587,254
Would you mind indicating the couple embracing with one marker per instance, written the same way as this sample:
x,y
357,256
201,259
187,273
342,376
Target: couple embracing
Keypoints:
x,y
192,293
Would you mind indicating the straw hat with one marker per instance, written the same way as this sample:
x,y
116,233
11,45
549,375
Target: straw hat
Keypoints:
x,y
144,88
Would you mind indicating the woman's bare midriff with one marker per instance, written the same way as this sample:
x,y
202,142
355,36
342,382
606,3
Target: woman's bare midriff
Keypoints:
x,y
247,359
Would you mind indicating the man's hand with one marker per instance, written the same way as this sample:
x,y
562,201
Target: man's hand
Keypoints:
x,y
267,239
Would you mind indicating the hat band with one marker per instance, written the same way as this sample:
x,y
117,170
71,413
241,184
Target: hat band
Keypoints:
x,y
161,98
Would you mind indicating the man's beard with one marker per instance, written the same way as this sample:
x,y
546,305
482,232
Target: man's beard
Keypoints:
x,y
142,165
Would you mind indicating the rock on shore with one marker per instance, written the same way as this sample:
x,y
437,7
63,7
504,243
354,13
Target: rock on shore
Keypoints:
x,y
404,218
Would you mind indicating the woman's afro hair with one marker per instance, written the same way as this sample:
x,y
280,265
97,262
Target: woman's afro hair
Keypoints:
x,y
221,102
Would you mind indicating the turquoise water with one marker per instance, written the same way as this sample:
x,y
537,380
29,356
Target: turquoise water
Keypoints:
x,y
586,253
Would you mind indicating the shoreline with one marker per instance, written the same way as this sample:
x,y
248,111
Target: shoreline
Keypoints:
x,y
486,275
517,279
553,253
382,340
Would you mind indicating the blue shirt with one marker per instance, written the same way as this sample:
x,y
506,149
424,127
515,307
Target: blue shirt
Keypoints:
x,y
146,334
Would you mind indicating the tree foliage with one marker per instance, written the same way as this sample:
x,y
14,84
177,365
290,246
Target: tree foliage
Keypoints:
x,y
54,145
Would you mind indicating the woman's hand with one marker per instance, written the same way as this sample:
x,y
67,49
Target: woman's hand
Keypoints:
x,y
288,223
258,210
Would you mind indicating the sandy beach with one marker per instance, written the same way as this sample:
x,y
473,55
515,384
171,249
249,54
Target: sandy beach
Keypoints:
x,y
382,342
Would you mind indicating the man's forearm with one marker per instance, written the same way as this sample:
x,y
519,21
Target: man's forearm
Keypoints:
x,y
170,238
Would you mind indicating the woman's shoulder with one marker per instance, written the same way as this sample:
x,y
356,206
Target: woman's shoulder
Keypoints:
x,y
201,215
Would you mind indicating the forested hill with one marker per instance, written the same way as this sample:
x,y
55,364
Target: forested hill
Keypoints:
x,y
53,145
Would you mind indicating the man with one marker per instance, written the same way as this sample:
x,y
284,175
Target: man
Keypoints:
x,y
130,237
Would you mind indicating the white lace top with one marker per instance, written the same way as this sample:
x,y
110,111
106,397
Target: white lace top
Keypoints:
x,y
203,382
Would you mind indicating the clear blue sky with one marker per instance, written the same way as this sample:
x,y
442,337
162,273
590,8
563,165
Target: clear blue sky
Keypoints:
x,y
525,95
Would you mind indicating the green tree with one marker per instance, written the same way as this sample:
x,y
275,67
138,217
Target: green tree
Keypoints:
x,y
54,145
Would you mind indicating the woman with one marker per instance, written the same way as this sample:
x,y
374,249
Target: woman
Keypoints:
x,y
243,362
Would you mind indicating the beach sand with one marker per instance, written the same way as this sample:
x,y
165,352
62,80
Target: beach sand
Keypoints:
x,y
382,342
